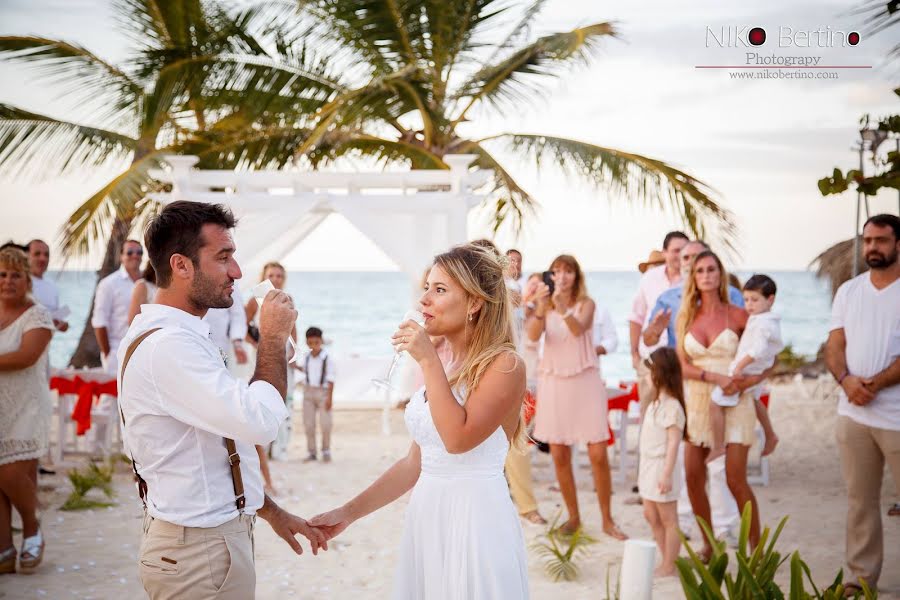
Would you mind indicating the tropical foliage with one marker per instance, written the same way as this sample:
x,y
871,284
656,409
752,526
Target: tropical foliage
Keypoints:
x,y
305,84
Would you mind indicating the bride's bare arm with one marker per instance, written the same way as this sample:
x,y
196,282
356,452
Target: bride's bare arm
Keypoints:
x,y
500,392
395,482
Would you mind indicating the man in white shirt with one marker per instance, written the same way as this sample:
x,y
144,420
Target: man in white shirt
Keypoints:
x,y
863,354
190,426
228,328
43,290
606,340
653,283
111,302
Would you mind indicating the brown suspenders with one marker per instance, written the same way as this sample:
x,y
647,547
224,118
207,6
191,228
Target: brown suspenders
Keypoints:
x,y
234,459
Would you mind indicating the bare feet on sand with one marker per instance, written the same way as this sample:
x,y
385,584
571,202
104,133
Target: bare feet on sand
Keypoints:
x,y
715,453
770,444
613,531
569,527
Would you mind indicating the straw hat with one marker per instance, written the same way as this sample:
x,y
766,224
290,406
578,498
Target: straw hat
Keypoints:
x,y
656,258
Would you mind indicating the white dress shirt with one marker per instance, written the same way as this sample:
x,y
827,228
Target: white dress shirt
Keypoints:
x,y
111,303
312,365
653,283
179,401
762,341
45,293
227,325
604,332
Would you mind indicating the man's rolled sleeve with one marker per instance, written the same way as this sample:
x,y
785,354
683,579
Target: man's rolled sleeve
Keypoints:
x,y
194,387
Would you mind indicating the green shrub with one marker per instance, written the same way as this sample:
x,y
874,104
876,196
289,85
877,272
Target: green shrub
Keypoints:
x,y
756,571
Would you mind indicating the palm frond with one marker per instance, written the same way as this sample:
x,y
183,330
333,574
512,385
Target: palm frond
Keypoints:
x,y
520,31
381,150
123,197
35,144
387,34
508,201
649,182
881,15
515,79
451,27
77,70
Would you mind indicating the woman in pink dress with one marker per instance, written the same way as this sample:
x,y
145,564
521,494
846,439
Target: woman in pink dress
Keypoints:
x,y
571,397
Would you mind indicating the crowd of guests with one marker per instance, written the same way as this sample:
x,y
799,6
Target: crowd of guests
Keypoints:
x,y
30,313
702,346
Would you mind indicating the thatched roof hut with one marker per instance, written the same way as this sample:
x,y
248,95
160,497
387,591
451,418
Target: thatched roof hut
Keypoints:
x,y
836,264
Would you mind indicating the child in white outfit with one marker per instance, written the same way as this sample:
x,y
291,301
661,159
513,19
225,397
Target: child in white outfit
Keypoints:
x,y
756,353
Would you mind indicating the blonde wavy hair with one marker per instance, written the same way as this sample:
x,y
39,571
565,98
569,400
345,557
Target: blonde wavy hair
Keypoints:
x,y
579,291
479,271
690,299
16,260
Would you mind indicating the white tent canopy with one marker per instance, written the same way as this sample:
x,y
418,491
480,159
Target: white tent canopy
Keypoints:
x,y
411,215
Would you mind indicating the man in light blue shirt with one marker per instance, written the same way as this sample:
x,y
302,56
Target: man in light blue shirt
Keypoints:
x,y
662,317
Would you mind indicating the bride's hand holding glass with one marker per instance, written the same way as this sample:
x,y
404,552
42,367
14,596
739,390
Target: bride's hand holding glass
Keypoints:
x,y
412,338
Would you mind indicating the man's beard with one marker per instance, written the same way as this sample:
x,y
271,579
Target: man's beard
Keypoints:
x,y
206,293
876,260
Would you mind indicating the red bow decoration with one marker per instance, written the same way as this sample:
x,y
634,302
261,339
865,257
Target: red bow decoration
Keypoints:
x,y
86,392
621,403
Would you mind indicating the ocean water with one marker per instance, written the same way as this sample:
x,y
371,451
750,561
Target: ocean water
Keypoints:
x,y
359,311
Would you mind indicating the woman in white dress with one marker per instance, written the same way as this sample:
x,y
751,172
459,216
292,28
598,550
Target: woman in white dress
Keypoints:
x,y
462,539
25,406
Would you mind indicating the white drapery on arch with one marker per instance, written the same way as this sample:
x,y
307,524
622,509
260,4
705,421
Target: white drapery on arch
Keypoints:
x,y
411,215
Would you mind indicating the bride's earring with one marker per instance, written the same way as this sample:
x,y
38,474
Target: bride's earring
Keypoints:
x,y
471,316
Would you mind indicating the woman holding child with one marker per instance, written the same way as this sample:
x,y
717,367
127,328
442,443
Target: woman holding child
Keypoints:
x,y
709,329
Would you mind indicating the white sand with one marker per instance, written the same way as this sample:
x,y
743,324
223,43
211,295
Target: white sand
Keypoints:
x,y
91,554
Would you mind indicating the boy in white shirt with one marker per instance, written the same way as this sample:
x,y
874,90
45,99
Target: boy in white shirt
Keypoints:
x,y
756,353
318,393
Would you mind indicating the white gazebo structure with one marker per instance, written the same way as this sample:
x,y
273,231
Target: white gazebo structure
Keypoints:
x,y
410,215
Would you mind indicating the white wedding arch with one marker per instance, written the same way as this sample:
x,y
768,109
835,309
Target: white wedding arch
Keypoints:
x,y
410,215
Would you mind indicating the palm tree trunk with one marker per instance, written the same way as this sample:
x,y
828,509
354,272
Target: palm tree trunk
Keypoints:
x,y
87,354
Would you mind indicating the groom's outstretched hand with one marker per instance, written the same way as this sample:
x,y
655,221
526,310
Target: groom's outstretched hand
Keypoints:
x,y
287,526
333,522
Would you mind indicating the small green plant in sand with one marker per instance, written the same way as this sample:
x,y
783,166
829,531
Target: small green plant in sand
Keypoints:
x,y
83,481
560,550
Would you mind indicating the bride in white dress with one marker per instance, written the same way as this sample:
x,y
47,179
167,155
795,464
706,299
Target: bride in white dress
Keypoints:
x,y
462,539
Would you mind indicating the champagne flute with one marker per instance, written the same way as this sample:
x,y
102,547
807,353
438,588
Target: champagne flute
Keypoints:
x,y
259,291
385,383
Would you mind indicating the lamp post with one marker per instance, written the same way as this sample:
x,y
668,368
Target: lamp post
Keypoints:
x,y
869,139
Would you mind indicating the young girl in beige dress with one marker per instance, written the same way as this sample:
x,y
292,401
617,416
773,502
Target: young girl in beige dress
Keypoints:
x,y
661,432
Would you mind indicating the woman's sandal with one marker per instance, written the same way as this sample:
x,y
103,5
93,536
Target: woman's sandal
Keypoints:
x,y
894,511
8,560
32,553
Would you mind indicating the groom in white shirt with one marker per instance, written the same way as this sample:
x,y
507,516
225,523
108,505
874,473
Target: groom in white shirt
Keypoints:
x,y
190,426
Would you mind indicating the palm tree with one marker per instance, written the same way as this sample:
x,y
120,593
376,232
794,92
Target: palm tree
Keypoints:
x,y
414,72
153,105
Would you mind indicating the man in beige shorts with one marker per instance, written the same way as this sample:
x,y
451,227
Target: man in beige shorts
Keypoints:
x,y
190,427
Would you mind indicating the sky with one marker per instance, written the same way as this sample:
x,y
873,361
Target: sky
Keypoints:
x,y
761,144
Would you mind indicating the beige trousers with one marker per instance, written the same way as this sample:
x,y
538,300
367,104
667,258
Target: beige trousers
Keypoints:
x,y
864,451
197,562
518,474
314,404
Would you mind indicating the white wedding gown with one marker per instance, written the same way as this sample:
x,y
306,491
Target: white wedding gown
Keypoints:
x,y
462,539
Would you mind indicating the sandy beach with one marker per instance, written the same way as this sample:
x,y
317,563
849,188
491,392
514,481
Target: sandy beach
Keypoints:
x,y
91,554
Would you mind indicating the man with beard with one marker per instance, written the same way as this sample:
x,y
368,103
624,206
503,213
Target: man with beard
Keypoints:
x,y
863,354
190,427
